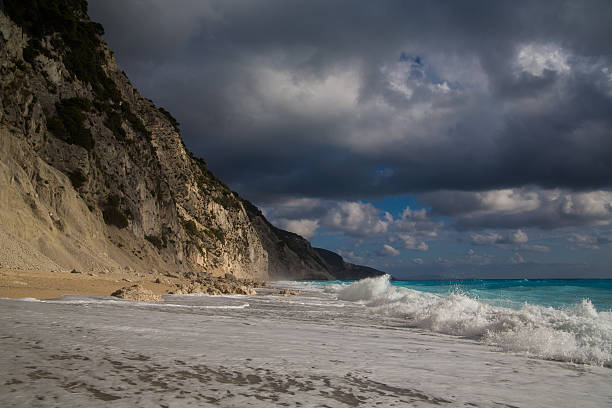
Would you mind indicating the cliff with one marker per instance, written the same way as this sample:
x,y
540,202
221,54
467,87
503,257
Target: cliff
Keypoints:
x,y
342,270
95,177
290,256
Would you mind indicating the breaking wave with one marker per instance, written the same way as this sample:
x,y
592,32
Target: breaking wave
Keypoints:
x,y
577,333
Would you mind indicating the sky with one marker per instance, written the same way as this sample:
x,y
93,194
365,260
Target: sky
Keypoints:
x,y
429,139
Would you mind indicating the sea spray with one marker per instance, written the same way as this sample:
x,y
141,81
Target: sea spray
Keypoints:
x,y
577,333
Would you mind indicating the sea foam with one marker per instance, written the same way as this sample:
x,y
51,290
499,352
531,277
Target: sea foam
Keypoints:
x,y
577,334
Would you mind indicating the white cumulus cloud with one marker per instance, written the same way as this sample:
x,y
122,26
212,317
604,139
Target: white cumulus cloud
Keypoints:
x,y
536,58
305,228
388,250
495,238
412,243
357,218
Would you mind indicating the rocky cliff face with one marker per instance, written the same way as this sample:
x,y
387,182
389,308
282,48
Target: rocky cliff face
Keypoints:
x,y
289,255
292,257
342,270
95,176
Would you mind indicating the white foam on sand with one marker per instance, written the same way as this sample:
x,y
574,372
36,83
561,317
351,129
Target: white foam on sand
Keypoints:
x,y
216,350
105,300
24,299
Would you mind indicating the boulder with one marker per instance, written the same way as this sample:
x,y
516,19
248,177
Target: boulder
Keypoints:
x,y
138,293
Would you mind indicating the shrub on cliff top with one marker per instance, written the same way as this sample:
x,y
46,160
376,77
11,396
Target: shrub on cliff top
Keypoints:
x,y
227,200
171,118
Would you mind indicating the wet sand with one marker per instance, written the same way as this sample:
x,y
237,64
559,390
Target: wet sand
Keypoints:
x,y
262,351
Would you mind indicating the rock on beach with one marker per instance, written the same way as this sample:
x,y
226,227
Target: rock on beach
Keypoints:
x,y
137,293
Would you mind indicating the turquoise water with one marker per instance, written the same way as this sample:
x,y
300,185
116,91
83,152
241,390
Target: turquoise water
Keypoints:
x,y
514,294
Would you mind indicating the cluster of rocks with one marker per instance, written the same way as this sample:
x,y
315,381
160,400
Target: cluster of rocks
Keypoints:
x,y
191,283
138,293
225,285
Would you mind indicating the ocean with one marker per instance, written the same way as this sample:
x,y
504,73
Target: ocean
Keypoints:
x,y
557,293
373,342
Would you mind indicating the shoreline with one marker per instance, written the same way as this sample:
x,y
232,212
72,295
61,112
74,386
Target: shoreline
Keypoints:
x,y
264,351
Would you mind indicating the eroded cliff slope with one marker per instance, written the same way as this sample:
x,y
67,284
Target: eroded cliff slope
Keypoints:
x,y
94,176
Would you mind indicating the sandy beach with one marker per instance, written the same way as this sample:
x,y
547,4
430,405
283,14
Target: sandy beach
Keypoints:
x,y
42,284
310,350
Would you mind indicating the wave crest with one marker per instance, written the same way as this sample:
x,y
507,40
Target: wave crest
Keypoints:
x,y
578,333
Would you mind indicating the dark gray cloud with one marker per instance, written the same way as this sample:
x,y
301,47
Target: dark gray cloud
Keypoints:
x,y
522,207
352,99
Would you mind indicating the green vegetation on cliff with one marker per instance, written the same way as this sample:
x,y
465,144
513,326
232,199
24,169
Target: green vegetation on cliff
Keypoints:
x,y
78,41
68,124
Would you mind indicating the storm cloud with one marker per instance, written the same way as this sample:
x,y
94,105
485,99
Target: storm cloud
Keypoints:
x,y
523,207
363,99
491,120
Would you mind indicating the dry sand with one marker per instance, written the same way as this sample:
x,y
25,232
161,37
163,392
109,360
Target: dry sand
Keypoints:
x,y
48,285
